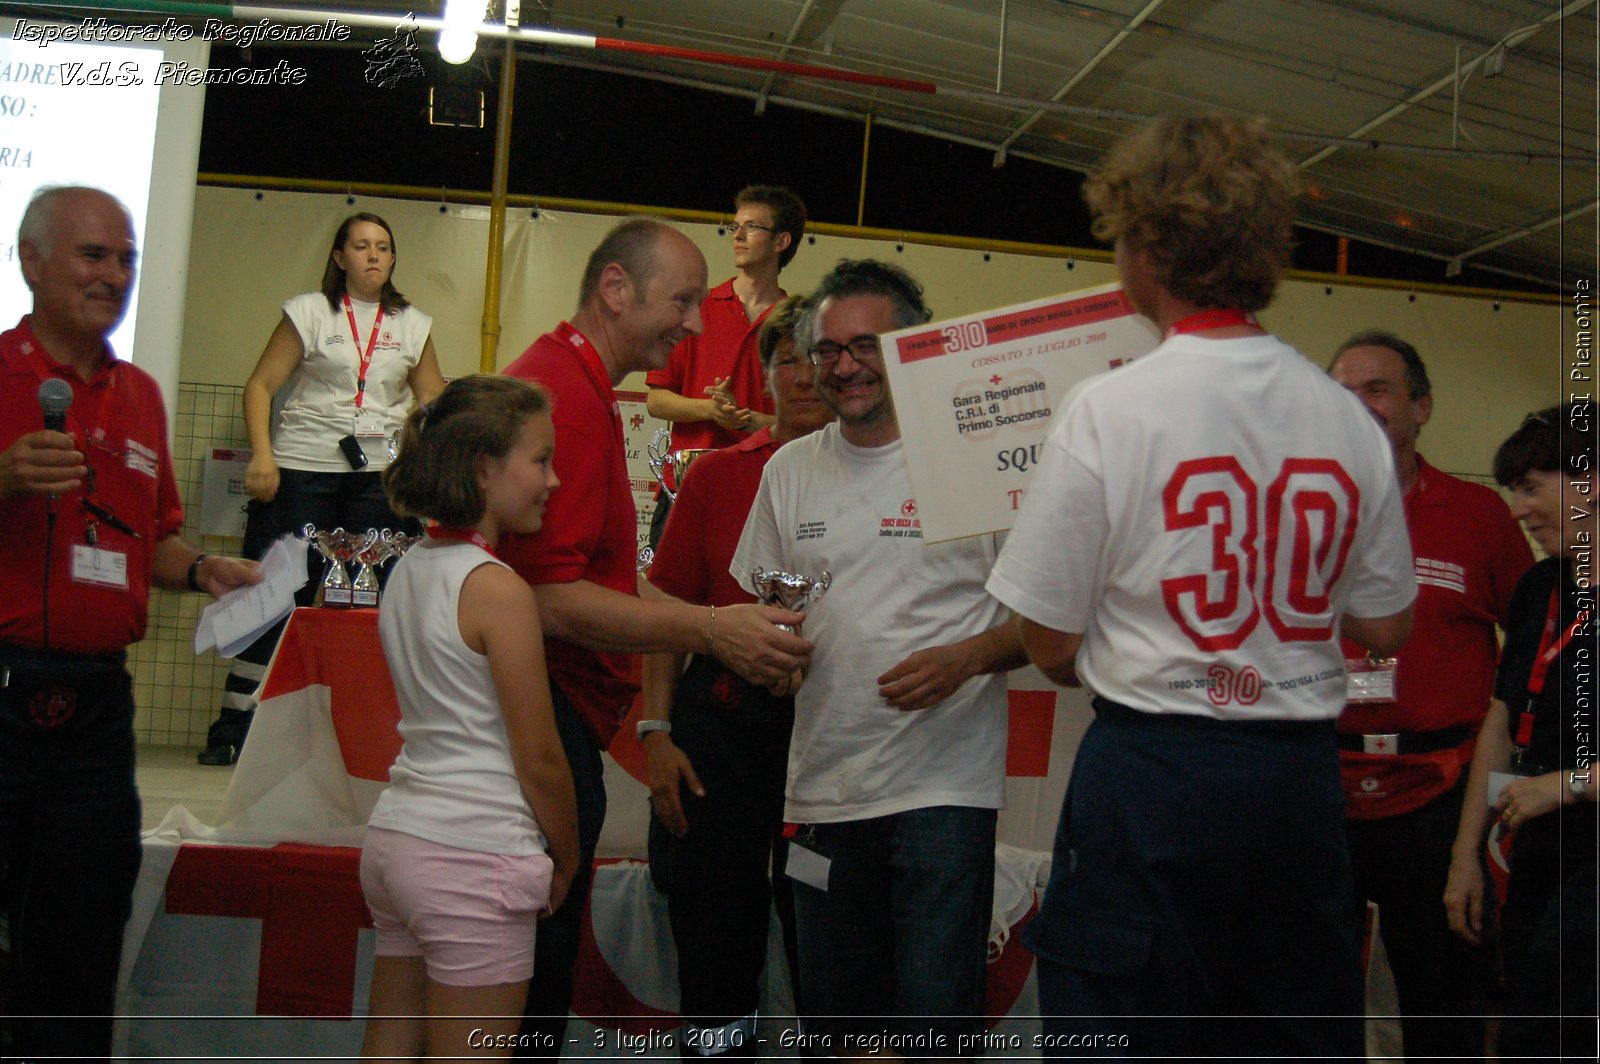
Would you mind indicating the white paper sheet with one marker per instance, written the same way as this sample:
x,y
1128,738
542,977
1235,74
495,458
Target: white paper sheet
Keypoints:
x,y
233,621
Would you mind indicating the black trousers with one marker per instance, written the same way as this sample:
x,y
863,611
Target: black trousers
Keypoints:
x,y
69,845
716,878
555,950
1401,863
352,501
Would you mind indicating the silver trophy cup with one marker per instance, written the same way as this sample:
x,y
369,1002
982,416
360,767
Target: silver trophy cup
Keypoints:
x,y
371,551
336,548
670,467
789,591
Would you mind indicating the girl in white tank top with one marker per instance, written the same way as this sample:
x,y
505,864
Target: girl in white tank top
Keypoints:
x,y
476,836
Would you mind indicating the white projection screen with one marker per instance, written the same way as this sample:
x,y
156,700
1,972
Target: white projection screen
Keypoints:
x,y
75,113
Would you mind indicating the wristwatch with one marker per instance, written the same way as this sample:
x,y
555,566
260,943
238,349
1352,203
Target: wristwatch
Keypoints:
x,y
645,727
194,572
1578,785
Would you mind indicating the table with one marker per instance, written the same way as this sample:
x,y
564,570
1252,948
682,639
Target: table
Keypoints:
x,y
261,915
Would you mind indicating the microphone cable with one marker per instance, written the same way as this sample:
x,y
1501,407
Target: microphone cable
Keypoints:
x,y
49,560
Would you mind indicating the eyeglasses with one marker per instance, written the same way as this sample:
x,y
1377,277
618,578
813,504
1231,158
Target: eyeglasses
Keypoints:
x,y
861,348
746,228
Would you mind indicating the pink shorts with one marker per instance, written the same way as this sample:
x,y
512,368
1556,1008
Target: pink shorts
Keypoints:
x,y
470,916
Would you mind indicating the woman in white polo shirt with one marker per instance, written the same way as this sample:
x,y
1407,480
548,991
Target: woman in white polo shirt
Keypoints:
x,y
356,357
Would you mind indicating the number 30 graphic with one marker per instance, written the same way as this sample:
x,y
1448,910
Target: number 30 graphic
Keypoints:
x,y
1309,518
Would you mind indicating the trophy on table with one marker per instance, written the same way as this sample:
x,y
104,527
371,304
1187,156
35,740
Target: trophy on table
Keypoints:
x,y
664,461
370,551
789,591
337,548
397,543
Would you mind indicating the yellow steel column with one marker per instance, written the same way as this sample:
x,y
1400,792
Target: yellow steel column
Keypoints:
x,y
866,143
497,212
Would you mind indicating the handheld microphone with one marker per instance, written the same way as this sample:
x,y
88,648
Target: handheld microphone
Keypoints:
x,y
55,399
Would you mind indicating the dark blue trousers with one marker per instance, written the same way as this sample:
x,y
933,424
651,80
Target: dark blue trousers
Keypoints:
x,y
555,950
1199,901
69,845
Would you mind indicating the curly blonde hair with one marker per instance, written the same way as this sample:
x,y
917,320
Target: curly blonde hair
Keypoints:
x,y
1212,200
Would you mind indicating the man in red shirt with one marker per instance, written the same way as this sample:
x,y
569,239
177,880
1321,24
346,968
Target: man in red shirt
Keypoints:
x,y
639,297
92,517
713,387
718,747
1405,746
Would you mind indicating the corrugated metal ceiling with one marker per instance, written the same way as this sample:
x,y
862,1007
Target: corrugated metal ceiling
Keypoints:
x,y
1509,153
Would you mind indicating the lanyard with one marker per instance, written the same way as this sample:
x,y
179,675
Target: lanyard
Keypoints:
x,y
462,535
372,340
583,347
1550,649
1211,319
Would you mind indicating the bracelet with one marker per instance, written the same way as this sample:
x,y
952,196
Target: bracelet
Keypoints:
x,y
651,724
194,572
711,633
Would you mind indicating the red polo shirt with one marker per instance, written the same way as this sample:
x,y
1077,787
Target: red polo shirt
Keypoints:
x,y
589,530
706,522
1469,556
120,423
725,348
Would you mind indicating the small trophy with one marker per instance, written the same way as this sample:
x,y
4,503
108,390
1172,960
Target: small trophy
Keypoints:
x,y
370,552
663,461
336,548
647,554
397,543
789,591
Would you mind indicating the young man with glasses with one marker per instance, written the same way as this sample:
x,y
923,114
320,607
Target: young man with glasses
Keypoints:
x,y
897,762
712,387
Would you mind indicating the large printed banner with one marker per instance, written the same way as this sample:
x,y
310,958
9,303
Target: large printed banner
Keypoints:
x,y
976,396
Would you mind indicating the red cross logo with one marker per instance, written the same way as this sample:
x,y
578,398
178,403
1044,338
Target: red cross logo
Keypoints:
x,y
909,508
636,421
309,902
53,706
995,380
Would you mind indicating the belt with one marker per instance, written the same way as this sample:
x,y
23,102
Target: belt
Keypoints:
x,y
23,660
1299,729
1392,743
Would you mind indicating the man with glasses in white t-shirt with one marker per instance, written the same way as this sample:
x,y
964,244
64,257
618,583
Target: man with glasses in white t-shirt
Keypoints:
x,y
897,761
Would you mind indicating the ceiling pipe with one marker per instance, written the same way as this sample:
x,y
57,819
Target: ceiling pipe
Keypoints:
x,y
1454,77
1072,83
1000,53
1525,231
783,50
1365,144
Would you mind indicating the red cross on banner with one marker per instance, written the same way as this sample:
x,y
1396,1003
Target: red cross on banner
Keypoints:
x,y
309,902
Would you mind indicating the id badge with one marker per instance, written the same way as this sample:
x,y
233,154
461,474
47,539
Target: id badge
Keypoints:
x,y
1498,781
806,865
370,423
1369,680
99,567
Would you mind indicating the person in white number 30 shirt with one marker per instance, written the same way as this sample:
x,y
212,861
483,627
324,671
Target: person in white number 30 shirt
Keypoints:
x,y
1205,524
